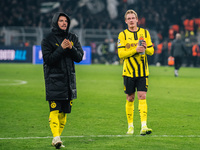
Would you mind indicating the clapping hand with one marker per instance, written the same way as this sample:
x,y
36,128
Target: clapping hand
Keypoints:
x,y
66,44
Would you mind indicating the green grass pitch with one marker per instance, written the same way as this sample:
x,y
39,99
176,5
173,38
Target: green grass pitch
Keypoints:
x,y
98,119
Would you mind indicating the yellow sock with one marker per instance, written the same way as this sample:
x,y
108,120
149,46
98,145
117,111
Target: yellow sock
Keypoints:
x,y
54,122
62,119
143,111
129,112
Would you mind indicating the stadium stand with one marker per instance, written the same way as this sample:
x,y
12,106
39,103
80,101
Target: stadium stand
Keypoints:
x,y
101,19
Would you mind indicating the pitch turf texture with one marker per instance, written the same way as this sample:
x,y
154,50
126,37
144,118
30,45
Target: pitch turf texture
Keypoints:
x,y
98,119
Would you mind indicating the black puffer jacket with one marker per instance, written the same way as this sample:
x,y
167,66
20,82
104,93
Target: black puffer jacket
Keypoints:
x,y
59,70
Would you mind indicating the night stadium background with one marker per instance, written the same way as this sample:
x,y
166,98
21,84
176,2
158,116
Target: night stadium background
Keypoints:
x,y
98,119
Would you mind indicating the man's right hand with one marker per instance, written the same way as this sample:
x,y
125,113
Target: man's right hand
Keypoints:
x,y
66,44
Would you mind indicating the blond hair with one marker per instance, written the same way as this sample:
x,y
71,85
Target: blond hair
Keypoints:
x,y
130,11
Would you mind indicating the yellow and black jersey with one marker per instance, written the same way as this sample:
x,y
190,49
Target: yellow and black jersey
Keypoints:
x,y
135,64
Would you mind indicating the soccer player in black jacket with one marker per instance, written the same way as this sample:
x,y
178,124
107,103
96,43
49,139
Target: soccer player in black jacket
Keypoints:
x,y
60,50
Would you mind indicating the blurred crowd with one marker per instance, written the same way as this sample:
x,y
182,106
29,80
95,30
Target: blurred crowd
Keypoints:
x,y
106,14
167,17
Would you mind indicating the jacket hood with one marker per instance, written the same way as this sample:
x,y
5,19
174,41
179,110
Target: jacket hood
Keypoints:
x,y
54,23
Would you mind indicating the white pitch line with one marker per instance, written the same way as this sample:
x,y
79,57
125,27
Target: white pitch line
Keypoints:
x,y
99,136
4,82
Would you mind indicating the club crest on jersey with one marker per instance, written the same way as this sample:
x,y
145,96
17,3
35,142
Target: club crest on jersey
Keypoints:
x,y
141,35
53,104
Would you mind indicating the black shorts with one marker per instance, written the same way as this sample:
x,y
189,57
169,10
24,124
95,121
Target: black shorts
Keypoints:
x,y
131,84
62,106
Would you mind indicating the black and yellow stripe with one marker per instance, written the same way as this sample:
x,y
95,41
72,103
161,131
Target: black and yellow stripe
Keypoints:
x,y
135,65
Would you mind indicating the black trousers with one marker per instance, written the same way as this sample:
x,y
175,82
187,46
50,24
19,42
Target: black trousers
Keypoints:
x,y
177,62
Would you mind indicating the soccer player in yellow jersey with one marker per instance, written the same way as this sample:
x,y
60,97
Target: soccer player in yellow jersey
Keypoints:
x,y
135,68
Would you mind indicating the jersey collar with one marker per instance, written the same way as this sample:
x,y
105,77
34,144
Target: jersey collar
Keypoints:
x,y
134,31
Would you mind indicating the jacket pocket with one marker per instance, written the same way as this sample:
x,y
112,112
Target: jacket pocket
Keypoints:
x,y
56,82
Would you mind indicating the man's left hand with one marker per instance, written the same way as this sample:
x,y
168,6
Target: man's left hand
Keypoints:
x,y
68,44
